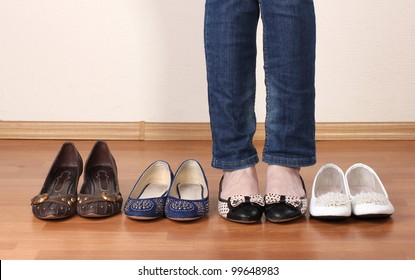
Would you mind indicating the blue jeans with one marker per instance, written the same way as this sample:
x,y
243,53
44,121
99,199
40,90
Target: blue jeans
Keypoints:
x,y
289,64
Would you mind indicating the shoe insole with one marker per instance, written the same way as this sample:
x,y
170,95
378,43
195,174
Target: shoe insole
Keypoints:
x,y
329,184
361,181
102,180
154,190
329,181
61,180
190,191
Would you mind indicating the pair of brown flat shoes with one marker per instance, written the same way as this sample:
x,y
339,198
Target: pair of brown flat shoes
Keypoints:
x,y
99,195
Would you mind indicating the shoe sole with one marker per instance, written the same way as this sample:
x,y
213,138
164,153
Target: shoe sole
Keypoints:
x,y
241,221
184,219
285,220
142,218
53,217
373,216
92,215
332,218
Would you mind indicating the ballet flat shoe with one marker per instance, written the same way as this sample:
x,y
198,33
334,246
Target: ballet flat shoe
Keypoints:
x,y
284,208
241,209
330,195
57,197
188,196
148,196
368,195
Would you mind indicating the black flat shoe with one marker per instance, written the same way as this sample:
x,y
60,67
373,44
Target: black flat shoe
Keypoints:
x,y
100,194
284,208
241,209
57,198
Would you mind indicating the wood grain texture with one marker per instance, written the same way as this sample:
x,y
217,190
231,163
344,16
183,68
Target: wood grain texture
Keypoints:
x,y
190,130
25,163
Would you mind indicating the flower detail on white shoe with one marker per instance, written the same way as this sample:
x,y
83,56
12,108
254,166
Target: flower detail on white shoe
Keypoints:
x,y
332,199
370,198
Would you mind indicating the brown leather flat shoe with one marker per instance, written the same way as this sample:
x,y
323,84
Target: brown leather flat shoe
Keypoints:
x,y
57,198
100,195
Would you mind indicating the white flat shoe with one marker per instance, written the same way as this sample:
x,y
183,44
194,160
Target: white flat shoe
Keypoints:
x,y
330,197
368,195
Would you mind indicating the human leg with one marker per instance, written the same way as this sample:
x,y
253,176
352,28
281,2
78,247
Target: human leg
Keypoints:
x,y
289,63
230,46
289,56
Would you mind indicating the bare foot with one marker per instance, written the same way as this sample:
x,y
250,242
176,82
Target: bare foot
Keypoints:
x,y
284,181
240,182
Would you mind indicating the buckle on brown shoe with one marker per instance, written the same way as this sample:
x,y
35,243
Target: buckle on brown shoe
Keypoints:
x,y
108,197
40,199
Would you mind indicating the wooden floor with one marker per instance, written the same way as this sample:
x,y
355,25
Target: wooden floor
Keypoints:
x,y
24,165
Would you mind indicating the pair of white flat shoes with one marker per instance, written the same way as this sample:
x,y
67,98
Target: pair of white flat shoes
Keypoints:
x,y
338,195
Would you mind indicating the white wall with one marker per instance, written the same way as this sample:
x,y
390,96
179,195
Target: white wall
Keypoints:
x,y
143,60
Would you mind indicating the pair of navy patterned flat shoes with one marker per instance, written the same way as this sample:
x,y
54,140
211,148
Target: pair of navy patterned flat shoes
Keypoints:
x,y
158,193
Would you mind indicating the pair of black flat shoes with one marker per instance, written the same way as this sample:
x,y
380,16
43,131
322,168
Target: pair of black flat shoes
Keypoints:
x,y
249,209
99,195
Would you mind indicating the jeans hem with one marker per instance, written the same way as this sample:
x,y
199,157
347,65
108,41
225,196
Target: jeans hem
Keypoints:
x,y
289,162
235,165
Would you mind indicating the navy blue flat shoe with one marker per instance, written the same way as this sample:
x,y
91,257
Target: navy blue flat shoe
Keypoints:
x,y
188,197
148,196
